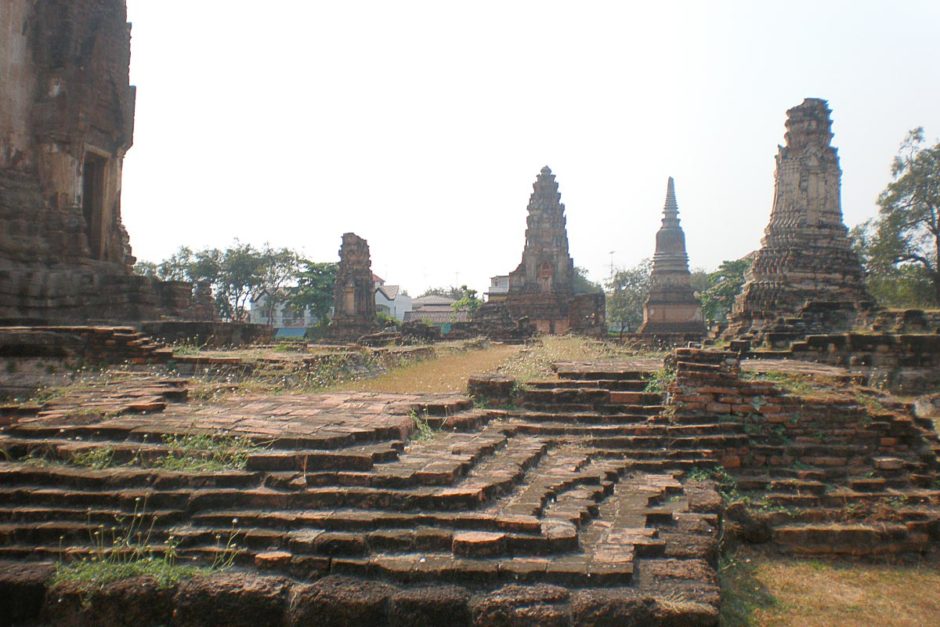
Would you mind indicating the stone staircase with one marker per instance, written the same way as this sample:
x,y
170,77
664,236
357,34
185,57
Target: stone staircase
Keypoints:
x,y
581,486
836,473
93,344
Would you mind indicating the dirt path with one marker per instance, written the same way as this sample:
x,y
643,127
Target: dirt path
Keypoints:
x,y
446,373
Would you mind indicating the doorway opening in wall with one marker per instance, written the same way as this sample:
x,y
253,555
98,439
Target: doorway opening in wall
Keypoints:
x,y
93,172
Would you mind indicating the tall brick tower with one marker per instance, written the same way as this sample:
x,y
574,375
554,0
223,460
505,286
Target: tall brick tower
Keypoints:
x,y
671,306
805,278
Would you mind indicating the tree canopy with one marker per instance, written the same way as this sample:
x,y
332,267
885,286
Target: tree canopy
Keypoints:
x,y
241,275
468,301
721,288
314,289
627,290
904,240
900,248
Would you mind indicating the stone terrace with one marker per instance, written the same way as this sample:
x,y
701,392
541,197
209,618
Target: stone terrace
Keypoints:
x,y
582,498
572,507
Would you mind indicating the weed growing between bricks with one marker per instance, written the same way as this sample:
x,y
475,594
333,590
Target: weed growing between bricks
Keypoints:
x,y
185,453
126,550
659,381
423,430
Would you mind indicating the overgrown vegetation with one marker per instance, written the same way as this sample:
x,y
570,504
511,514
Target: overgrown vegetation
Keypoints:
x,y
799,385
205,452
185,453
127,550
96,458
423,430
659,381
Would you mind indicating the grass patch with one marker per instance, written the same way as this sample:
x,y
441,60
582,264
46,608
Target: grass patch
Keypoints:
x,y
536,359
205,452
760,588
93,573
788,382
742,593
126,550
447,371
96,458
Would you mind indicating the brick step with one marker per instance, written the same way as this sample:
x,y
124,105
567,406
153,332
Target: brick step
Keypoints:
x,y
42,514
914,516
598,372
444,407
850,539
596,408
559,408
464,420
584,430
657,454
563,472
349,458
641,442
580,417
468,497
576,570
462,543
373,520
817,450
840,496
120,478
620,391
114,435
583,395
684,463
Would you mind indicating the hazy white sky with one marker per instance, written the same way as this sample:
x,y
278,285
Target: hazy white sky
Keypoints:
x,y
421,126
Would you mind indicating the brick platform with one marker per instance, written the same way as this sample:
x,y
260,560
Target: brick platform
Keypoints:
x,y
575,489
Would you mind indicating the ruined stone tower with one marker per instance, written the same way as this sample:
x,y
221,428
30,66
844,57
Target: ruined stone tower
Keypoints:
x,y
354,291
66,121
671,306
805,278
546,266
542,287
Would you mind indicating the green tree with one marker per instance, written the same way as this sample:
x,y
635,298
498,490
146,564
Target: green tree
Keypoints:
x,y
314,289
447,292
467,301
240,280
584,285
626,292
906,233
891,285
176,267
145,268
279,268
722,286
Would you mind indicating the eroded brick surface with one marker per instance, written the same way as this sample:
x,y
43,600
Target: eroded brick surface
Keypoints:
x,y
578,488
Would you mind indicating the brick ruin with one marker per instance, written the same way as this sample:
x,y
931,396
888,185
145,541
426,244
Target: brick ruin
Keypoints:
x,y
582,498
805,278
353,292
66,122
541,288
671,307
